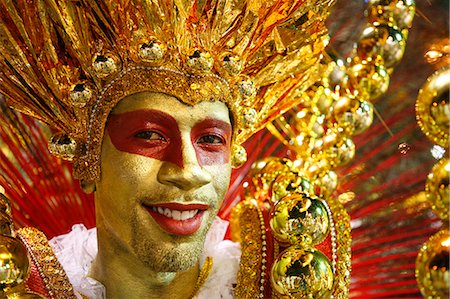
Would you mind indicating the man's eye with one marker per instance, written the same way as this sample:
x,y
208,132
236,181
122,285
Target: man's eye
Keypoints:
x,y
210,139
149,135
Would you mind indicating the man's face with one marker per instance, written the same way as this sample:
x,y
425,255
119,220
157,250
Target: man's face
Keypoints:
x,y
165,171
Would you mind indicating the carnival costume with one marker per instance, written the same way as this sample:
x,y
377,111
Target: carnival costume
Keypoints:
x,y
69,63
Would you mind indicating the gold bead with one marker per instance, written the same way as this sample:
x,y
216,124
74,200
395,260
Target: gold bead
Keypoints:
x,y
247,88
384,41
326,184
238,155
151,51
438,189
395,12
369,80
62,146
106,64
14,262
433,107
432,266
232,64
353,115
287,183
302,274
249,117
299,218
81,94
200,61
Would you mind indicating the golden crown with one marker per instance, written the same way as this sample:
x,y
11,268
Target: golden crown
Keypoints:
x,y
68,63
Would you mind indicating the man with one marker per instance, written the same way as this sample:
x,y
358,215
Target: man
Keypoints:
x,y
153,101
165,171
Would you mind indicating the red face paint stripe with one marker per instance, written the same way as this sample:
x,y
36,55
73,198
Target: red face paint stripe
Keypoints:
x,y
122,129
216,153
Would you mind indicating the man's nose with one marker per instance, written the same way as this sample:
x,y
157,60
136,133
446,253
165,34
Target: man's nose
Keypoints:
x,y
190,176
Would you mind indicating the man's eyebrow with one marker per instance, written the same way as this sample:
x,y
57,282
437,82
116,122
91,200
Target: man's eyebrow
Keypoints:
x,y
213,122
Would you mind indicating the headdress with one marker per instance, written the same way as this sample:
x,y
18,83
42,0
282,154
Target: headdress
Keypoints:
x,y
68,63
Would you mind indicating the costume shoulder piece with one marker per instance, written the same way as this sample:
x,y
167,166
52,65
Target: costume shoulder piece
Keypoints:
x,y
47,277
295,244
30,268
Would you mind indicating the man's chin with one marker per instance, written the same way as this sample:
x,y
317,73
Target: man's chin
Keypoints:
x,y
169,258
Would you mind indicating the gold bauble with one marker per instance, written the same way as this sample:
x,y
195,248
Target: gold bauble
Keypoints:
x,y
289,182
432,266
384,41
395,12
369,80
433,107
300,218
238,155
14,262
353,115
438,189
341,152
302,273
326,184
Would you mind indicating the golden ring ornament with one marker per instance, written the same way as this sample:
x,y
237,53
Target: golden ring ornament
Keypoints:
x,y
432,266
433,107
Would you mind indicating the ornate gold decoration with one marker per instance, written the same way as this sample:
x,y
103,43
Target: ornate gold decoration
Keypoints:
x,y
204,272
69,63
438,189
296,217
433,107
302,273
52,273
245,217
432,266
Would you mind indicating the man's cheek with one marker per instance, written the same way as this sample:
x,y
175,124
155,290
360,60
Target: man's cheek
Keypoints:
x,y
207,157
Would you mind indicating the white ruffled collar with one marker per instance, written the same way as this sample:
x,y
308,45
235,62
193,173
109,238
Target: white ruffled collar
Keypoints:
x,y
77,250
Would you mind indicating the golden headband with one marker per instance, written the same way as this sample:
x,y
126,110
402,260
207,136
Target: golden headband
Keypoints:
x,y
69,63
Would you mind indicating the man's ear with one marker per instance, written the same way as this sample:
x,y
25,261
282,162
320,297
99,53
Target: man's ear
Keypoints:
x,y
87,186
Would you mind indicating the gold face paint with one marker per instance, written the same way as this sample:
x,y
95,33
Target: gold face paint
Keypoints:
x,y
165,171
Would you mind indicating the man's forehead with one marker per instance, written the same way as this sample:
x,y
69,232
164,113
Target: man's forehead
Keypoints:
x,y
172,106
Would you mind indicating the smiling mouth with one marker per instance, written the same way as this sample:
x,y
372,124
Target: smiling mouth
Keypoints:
x,y
178,219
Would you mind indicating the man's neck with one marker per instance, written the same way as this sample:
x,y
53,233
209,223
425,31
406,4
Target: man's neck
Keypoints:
x,y
124,276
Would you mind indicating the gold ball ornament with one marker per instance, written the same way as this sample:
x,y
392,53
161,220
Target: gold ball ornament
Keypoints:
x,y
353,115
287,183
62,146
433,107
338,150
432,266
238,155
105,65
151,51
326,184
200,62
369,80
384,41
14,262
438,189
399,13
302,274
81,94
299,217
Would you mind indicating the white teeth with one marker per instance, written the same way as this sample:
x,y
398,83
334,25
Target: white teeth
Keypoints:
x,y
175,214
168,213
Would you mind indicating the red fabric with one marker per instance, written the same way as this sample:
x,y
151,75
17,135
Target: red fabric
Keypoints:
x,y
35,282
